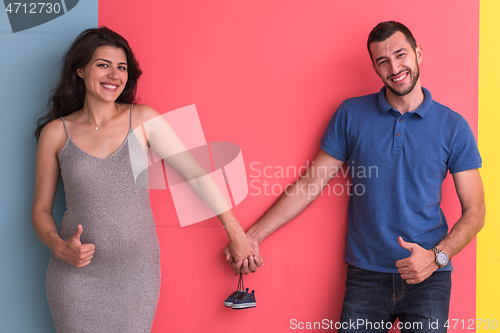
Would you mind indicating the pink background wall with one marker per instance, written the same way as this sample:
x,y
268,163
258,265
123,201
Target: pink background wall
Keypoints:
x,y
267,75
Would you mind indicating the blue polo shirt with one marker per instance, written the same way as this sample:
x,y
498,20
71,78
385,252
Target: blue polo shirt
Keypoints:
x,y
397,163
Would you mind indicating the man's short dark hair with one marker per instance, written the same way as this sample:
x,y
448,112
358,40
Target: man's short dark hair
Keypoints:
x,y
385,30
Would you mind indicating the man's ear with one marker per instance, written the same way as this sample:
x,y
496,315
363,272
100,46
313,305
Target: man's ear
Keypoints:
x,y
420,53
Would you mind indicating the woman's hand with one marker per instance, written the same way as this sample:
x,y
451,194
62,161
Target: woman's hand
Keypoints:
x,y
242,252
74,252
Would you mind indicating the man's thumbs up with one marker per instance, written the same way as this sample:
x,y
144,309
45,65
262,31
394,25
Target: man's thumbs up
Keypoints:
x,y
405,245
418,266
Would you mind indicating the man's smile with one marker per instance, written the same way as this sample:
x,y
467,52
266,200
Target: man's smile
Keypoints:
x,y
399,77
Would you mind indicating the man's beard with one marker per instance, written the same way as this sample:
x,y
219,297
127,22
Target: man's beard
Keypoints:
x,y
414,74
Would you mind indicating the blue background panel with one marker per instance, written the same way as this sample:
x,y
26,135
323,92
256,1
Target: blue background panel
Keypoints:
x,y
30,62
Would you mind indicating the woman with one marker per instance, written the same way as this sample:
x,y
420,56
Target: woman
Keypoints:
x,y
104,272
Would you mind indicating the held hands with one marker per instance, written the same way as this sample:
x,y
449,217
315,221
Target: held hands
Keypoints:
x,y
242,252
418,266
74,252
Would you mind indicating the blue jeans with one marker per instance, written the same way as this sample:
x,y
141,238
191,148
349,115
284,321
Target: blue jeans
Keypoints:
x,y
374,300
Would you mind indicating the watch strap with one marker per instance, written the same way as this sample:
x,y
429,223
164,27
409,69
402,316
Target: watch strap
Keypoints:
x,y
436,252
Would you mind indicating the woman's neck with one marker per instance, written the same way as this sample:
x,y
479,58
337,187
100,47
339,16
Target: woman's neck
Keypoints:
x,y
98,112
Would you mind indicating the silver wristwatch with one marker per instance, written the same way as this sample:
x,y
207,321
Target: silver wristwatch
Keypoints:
x,y
440,257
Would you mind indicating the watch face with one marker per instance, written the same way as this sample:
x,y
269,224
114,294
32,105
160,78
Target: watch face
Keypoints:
x,y
442,258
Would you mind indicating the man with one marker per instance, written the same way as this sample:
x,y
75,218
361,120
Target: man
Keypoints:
x,y
397,243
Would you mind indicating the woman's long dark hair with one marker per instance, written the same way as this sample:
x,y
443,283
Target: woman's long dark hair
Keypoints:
x,y
69,94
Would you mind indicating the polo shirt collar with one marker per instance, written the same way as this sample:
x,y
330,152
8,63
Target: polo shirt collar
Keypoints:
x,y
422,110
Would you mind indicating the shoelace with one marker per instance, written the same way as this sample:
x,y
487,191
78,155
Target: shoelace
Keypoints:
x,y
242,295
233,295
239,289
241,285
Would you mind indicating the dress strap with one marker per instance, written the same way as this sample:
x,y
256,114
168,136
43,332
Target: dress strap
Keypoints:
x,y
65,127
131,107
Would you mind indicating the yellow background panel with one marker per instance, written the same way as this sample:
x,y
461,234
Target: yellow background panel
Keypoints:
x,y
488,246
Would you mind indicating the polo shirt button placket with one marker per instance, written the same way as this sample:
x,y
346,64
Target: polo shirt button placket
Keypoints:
x,y
398,138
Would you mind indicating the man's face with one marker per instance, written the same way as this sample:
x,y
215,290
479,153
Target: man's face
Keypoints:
x,y
396,63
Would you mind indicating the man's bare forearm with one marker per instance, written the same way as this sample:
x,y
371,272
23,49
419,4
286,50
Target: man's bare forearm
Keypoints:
x,y
470,191
463,232
287,207
296,198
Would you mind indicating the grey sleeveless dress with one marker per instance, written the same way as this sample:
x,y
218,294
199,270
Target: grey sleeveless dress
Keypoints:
x,y
118,291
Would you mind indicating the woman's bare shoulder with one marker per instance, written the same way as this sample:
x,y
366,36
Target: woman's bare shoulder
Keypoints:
x,y
54,130
142,113
53,135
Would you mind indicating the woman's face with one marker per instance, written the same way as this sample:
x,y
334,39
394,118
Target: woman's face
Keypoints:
x,y
105,76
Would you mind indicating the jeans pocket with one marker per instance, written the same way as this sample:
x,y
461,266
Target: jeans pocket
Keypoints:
x,y
353,269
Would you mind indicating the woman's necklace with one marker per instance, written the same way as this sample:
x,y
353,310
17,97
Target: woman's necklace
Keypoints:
x,y
97,126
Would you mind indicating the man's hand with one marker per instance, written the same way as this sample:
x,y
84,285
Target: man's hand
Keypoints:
x,y
418,266
248,263
74,252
